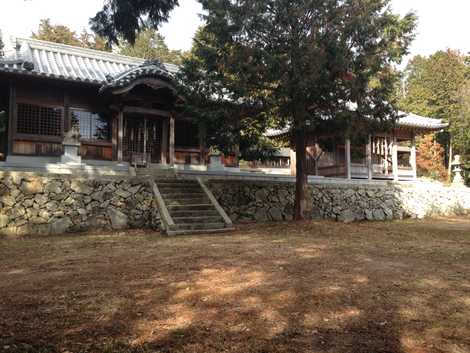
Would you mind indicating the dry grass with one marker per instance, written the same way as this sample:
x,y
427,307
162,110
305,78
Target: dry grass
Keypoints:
x,y
312,287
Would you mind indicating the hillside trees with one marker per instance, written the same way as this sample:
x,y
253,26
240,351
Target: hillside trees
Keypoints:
x,y
438,86
149,45
62,34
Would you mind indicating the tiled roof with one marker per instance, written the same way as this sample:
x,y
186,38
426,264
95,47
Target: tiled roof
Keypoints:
x,y
405,120
421,122
66,62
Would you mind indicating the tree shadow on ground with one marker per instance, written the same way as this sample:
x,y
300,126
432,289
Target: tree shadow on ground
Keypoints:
x,y
313,290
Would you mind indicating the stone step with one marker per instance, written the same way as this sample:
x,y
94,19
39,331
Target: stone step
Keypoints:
x,y
195,213
194,207
182,188
202,219
158,174
189,202
176,182
200,231
198,226
183,195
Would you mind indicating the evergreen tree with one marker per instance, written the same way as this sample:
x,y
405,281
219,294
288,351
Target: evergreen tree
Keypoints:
x,y
300,64
151,45
126,18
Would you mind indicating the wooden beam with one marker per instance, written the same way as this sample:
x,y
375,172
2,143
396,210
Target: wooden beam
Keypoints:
x,y
395,158
120,136
369,158
12,118
413,157
147,111
348,157
172,141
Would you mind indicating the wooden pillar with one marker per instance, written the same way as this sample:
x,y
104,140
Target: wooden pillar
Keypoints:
x,y
395,158
386,156
369,158
202,144
348,157
172,141
145,141
67,114
293,163
114,137
317,155
120,139
413,157
164,149
12,118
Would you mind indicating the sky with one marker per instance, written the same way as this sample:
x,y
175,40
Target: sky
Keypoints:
x,y
442,24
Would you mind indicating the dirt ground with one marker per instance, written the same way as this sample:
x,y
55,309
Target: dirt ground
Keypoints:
x,y
309,287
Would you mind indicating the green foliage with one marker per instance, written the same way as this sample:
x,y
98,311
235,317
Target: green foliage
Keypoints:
x,y
307,59
126,18
64,35
433,85
92,41
150,45
439,86
1,45
232,122
460,124
301,63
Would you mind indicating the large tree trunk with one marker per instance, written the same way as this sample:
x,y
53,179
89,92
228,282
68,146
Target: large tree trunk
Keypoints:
x,y
301,174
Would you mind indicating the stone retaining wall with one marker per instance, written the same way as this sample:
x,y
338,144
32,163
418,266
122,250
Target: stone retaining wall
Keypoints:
x,y
247,201
59,204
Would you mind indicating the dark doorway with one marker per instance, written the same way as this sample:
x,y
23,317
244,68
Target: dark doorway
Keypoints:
x,y
142,139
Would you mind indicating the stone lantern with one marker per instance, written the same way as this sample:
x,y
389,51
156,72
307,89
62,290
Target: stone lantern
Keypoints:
x,y
457,171
71,145
215,160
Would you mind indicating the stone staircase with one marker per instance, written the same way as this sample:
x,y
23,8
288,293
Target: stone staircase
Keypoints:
x,y
188,207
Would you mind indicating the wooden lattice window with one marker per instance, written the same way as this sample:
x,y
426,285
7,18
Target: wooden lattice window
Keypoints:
x,y
92,126
39,120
